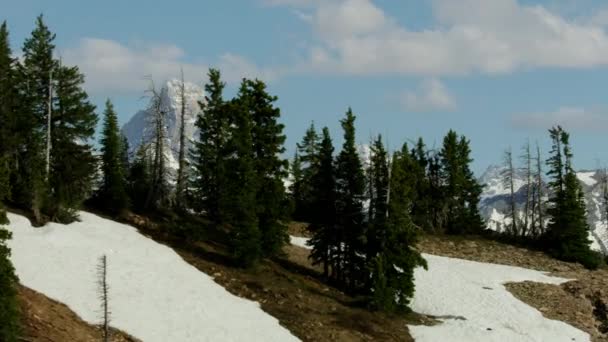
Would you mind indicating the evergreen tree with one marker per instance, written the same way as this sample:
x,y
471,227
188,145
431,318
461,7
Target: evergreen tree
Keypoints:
x,y
568,231
324,241
139,179
421,207
208,154
180,186
268,140
38,66
8,110
460,187
72,162
308,151
393,267
296,184
9,309
438,204
238,201
508,179
350,192
379,200
112,192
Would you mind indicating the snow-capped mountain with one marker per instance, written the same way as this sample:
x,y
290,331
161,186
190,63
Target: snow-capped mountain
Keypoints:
x,y
494,202
139,128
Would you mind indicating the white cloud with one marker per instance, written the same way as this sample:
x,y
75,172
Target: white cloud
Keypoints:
x,y
111,67
430,96
486,36
572,118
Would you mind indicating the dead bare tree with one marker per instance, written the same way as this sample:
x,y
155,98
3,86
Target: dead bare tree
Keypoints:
x,y
539,192
181,171
508,175
527,170
103,288
158,191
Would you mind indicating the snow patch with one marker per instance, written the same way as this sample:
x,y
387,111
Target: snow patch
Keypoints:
x,y
299,241
154,294
587,178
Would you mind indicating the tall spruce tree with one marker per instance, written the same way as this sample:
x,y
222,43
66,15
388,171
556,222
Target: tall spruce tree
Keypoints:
x,y
393,267
268,145
308,151
421,207
36,70
323,227
112,192
379,200
72,162
9,307
460,186
238,200
209,151
9,137
568,231
350,193
139,178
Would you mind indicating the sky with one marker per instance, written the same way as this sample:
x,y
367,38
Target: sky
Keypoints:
x,y
500,72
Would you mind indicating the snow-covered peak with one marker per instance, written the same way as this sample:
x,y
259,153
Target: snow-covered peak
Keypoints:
x,y
138,130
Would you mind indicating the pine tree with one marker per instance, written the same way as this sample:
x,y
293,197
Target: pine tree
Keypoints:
x,y
208,154
36,70
296,184
460,186
568,231
438,203
9,138
379,202
421,208
323,228
268,140
112,192
243,185
9,309
72,162
308,151
139,179
350,188
393,267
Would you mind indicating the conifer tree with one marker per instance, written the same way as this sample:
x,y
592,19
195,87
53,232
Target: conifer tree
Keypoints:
x,y
139,179
460,186
180,186
508,178
308,151
268,140
72,162
112,192
379,201
421,207
238,201
9,309
393,267
568,231
9,137
324,241
36,70
208,153
350,192
296,184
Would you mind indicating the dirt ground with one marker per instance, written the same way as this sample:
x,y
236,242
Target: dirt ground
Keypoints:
x,y
44,319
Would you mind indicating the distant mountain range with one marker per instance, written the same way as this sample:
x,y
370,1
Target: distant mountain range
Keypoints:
x,y
495,197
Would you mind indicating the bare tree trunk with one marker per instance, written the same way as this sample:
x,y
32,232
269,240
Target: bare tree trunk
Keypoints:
x,y
539,187
48,126
528,170
102,282
179,193
508,175
156,193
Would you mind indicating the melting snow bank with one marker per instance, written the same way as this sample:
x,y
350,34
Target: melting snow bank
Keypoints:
x,y
472,293
473,305
154,294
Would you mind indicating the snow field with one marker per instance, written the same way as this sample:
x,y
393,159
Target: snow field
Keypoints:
x,y
154,294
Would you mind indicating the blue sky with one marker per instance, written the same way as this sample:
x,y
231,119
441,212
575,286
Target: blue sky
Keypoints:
x,y
498,71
